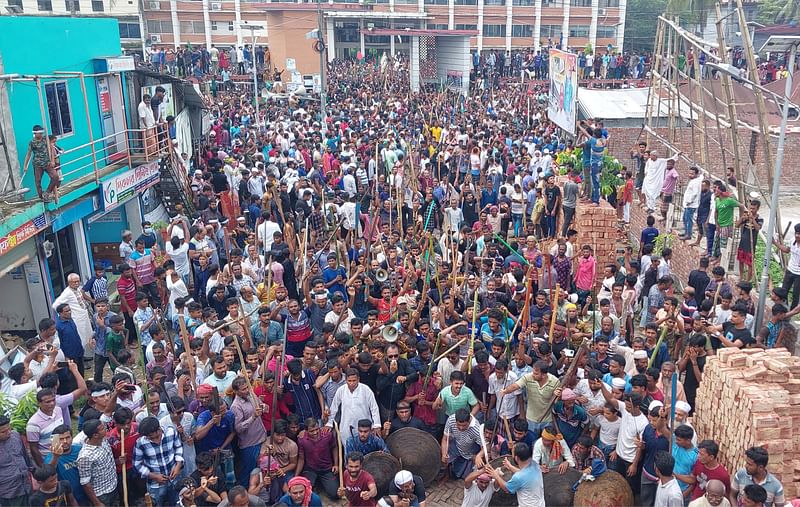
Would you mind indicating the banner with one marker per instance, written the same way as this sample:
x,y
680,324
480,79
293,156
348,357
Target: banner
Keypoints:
x,y
562,105
118,189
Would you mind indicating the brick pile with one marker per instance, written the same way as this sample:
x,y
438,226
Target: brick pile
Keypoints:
x,y
751,398
597,227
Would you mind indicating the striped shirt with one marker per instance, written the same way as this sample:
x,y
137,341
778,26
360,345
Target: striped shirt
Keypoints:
x,y
468,442
160,458
144,266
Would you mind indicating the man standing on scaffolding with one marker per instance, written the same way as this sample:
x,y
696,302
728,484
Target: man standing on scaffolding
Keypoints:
x,y
40,149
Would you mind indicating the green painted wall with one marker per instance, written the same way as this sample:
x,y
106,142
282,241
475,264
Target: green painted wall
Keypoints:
x,y
45,45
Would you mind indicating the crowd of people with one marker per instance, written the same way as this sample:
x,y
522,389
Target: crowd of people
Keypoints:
x,y
407,260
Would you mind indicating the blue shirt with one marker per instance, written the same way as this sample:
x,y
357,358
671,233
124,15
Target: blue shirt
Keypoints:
x,y
373,443
649,235
67,470
653,442
306,403
100,334
315,501
529,481
71,343
328,275
684,461
217,434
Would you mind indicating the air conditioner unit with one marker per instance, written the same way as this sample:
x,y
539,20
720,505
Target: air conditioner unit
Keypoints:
x,y
602,12
155,6
216,6
155,38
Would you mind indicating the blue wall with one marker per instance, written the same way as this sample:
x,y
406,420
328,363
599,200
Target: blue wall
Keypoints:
x,y
44,45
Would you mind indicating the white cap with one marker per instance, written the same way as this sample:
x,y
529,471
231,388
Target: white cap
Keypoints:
x,y
640,354
654,404
683,406
618,383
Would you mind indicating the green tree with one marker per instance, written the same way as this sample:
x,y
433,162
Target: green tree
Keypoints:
x,y
768,10
640,25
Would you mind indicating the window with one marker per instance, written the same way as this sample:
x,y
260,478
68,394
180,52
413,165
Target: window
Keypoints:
x,y
523,2
609,32
72,5
466,27
97,5
129,31
466,2
580,3
347,32
494,2
192,27
411,2
437,26
45,5
494,30
58,108
579,31
159,26
609,3
214,26
15,3
550,31
230,26
435,2
521,31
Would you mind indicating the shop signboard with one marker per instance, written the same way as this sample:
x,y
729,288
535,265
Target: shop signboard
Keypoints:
x,y
118,189
22,233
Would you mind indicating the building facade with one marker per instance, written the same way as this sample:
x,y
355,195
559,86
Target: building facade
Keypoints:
x,y
127,12
501,24
78,94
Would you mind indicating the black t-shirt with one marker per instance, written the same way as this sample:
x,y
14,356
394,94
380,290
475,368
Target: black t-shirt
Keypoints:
x,y
57,498
552,194
748,233
414,422
734,334
218,488
219,181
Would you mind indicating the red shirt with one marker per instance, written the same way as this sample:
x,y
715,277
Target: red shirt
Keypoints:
x,y
266,398
385,309
127,289
130,443
354,487
703,475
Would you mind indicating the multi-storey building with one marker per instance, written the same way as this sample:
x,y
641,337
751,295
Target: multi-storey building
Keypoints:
x,y
501,24
127,12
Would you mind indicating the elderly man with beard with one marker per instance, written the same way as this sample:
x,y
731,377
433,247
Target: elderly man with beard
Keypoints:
x,y
714,496
359,486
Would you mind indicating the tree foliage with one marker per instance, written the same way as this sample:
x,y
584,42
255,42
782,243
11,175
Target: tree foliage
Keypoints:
x,y
640,23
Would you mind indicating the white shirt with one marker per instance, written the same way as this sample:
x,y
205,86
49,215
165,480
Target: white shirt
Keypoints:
x,y
508,404
794,260
541,456
349,182
146,118
333,318
691,196
595,399
180,257
669,494
630,428
474,497
354,406
265,233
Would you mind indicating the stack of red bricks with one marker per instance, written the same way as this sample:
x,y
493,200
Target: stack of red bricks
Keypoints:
x,y
597,227
751,398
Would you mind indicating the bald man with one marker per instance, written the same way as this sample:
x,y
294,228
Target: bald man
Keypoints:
x,y
713,497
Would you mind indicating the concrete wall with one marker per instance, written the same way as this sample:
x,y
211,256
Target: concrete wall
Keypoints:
x,y
78,42
287,39
452,54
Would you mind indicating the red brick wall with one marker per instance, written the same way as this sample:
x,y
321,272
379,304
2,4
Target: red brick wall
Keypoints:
x,y
597,226
623,139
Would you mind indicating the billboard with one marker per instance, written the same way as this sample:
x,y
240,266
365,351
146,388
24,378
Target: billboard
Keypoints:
x,y
562,105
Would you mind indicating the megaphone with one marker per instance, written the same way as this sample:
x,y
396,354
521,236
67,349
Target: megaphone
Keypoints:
x,y
390,333
381,275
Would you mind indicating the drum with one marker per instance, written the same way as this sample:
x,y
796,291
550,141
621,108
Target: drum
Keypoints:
x,y
383,467
608,490
500,497
418,452
558,487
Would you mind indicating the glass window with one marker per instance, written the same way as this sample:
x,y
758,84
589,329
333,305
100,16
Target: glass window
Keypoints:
x,y
466,2
58,108
550,31
523,2
579,31
347,32
494,2
213,25
521,31
230,26
609,3
15,3
159,26
580,3
606,32
437,26
72,5
129,31
494,30
435,2
466,27
97,5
